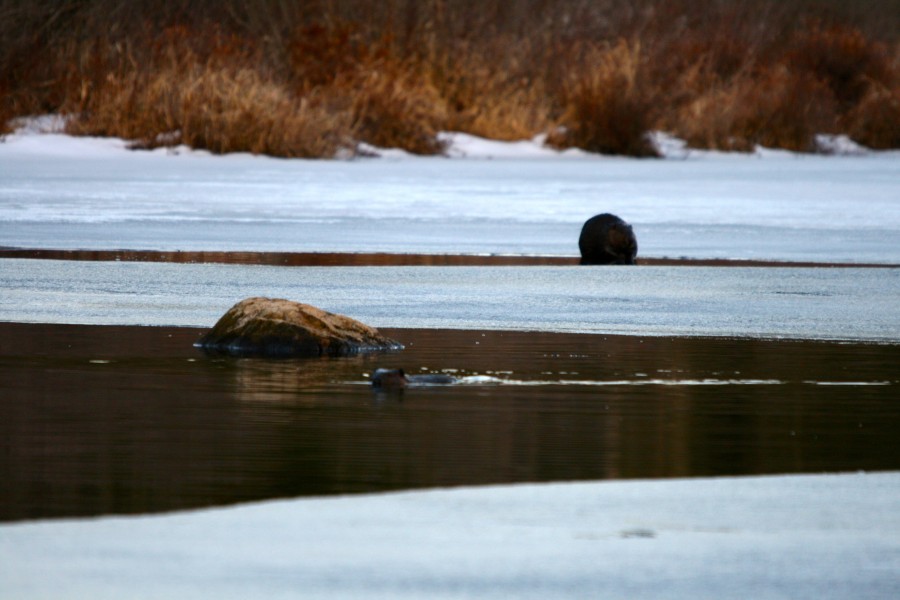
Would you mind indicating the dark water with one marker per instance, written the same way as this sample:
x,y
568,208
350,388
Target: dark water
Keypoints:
x,y
98,420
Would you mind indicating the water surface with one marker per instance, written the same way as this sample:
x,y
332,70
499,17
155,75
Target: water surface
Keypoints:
x,y
110,419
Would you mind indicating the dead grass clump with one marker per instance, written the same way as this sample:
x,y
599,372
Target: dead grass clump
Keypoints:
x,y
392,104
843,58
508,111
321,53
608,105
214,109
393,107
784,109
775,108
6,121
241,112
875,121
490,91
202,88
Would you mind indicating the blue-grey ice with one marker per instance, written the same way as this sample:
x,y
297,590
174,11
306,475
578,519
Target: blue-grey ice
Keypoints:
x,y
82,193
828,537
804,303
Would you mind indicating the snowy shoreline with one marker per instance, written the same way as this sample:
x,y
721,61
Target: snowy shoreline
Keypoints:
x,y
464,145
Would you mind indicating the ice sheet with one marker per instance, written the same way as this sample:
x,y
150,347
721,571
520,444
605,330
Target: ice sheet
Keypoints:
x,y
805,303
824,537
515,198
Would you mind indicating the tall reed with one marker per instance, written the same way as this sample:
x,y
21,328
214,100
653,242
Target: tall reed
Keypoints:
x,y
314,78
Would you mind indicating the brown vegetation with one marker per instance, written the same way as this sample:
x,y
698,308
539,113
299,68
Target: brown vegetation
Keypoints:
x,y
312,79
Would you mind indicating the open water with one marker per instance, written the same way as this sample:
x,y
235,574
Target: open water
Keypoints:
x,y
122,419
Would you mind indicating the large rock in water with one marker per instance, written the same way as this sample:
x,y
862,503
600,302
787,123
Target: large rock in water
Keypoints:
x,y
282,328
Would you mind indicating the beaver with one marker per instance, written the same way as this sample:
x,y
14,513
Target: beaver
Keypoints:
x,y
607,240
397,378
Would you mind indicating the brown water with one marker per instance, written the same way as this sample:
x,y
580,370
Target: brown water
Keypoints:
x,y
98,420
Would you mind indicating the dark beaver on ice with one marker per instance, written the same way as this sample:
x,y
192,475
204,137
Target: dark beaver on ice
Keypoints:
x,y
607,240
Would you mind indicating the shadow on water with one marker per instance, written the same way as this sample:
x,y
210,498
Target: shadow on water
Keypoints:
x,y
98,420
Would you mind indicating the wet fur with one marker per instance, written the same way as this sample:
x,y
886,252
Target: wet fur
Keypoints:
x,y
607,240
398,379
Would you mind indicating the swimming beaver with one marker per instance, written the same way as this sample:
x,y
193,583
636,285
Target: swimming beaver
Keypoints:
x,y
607,240
397,378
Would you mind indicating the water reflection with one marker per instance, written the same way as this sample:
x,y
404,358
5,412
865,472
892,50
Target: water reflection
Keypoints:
x,y
97,420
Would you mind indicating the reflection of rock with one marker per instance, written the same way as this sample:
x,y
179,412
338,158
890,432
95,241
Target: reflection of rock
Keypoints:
x,y
397,378
275,327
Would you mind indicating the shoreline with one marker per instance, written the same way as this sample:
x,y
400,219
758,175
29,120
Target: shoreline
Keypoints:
x,y
387,259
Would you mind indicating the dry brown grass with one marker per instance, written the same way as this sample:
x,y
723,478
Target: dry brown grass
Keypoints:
x,y
393,107
309,79
875,121
217,101
608,104
773,108
489,91
813,80
842,58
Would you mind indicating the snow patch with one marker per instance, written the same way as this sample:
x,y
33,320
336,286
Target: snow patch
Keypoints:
x,y
40,124
464,145
840,145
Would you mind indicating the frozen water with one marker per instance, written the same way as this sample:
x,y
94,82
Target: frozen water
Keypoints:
x,y
845,303
824,537
81,193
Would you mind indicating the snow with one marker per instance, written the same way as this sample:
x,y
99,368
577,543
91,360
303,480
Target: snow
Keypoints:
x,y
823,536
464,145
839,144
813,536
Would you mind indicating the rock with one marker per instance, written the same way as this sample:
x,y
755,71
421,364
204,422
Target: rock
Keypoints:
x,y
283,328
607,240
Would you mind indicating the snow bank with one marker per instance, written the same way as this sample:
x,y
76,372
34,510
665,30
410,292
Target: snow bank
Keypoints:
x,y
50,129
826,536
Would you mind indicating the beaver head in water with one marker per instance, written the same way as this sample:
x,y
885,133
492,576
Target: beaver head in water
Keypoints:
x,y
389,378
397,379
